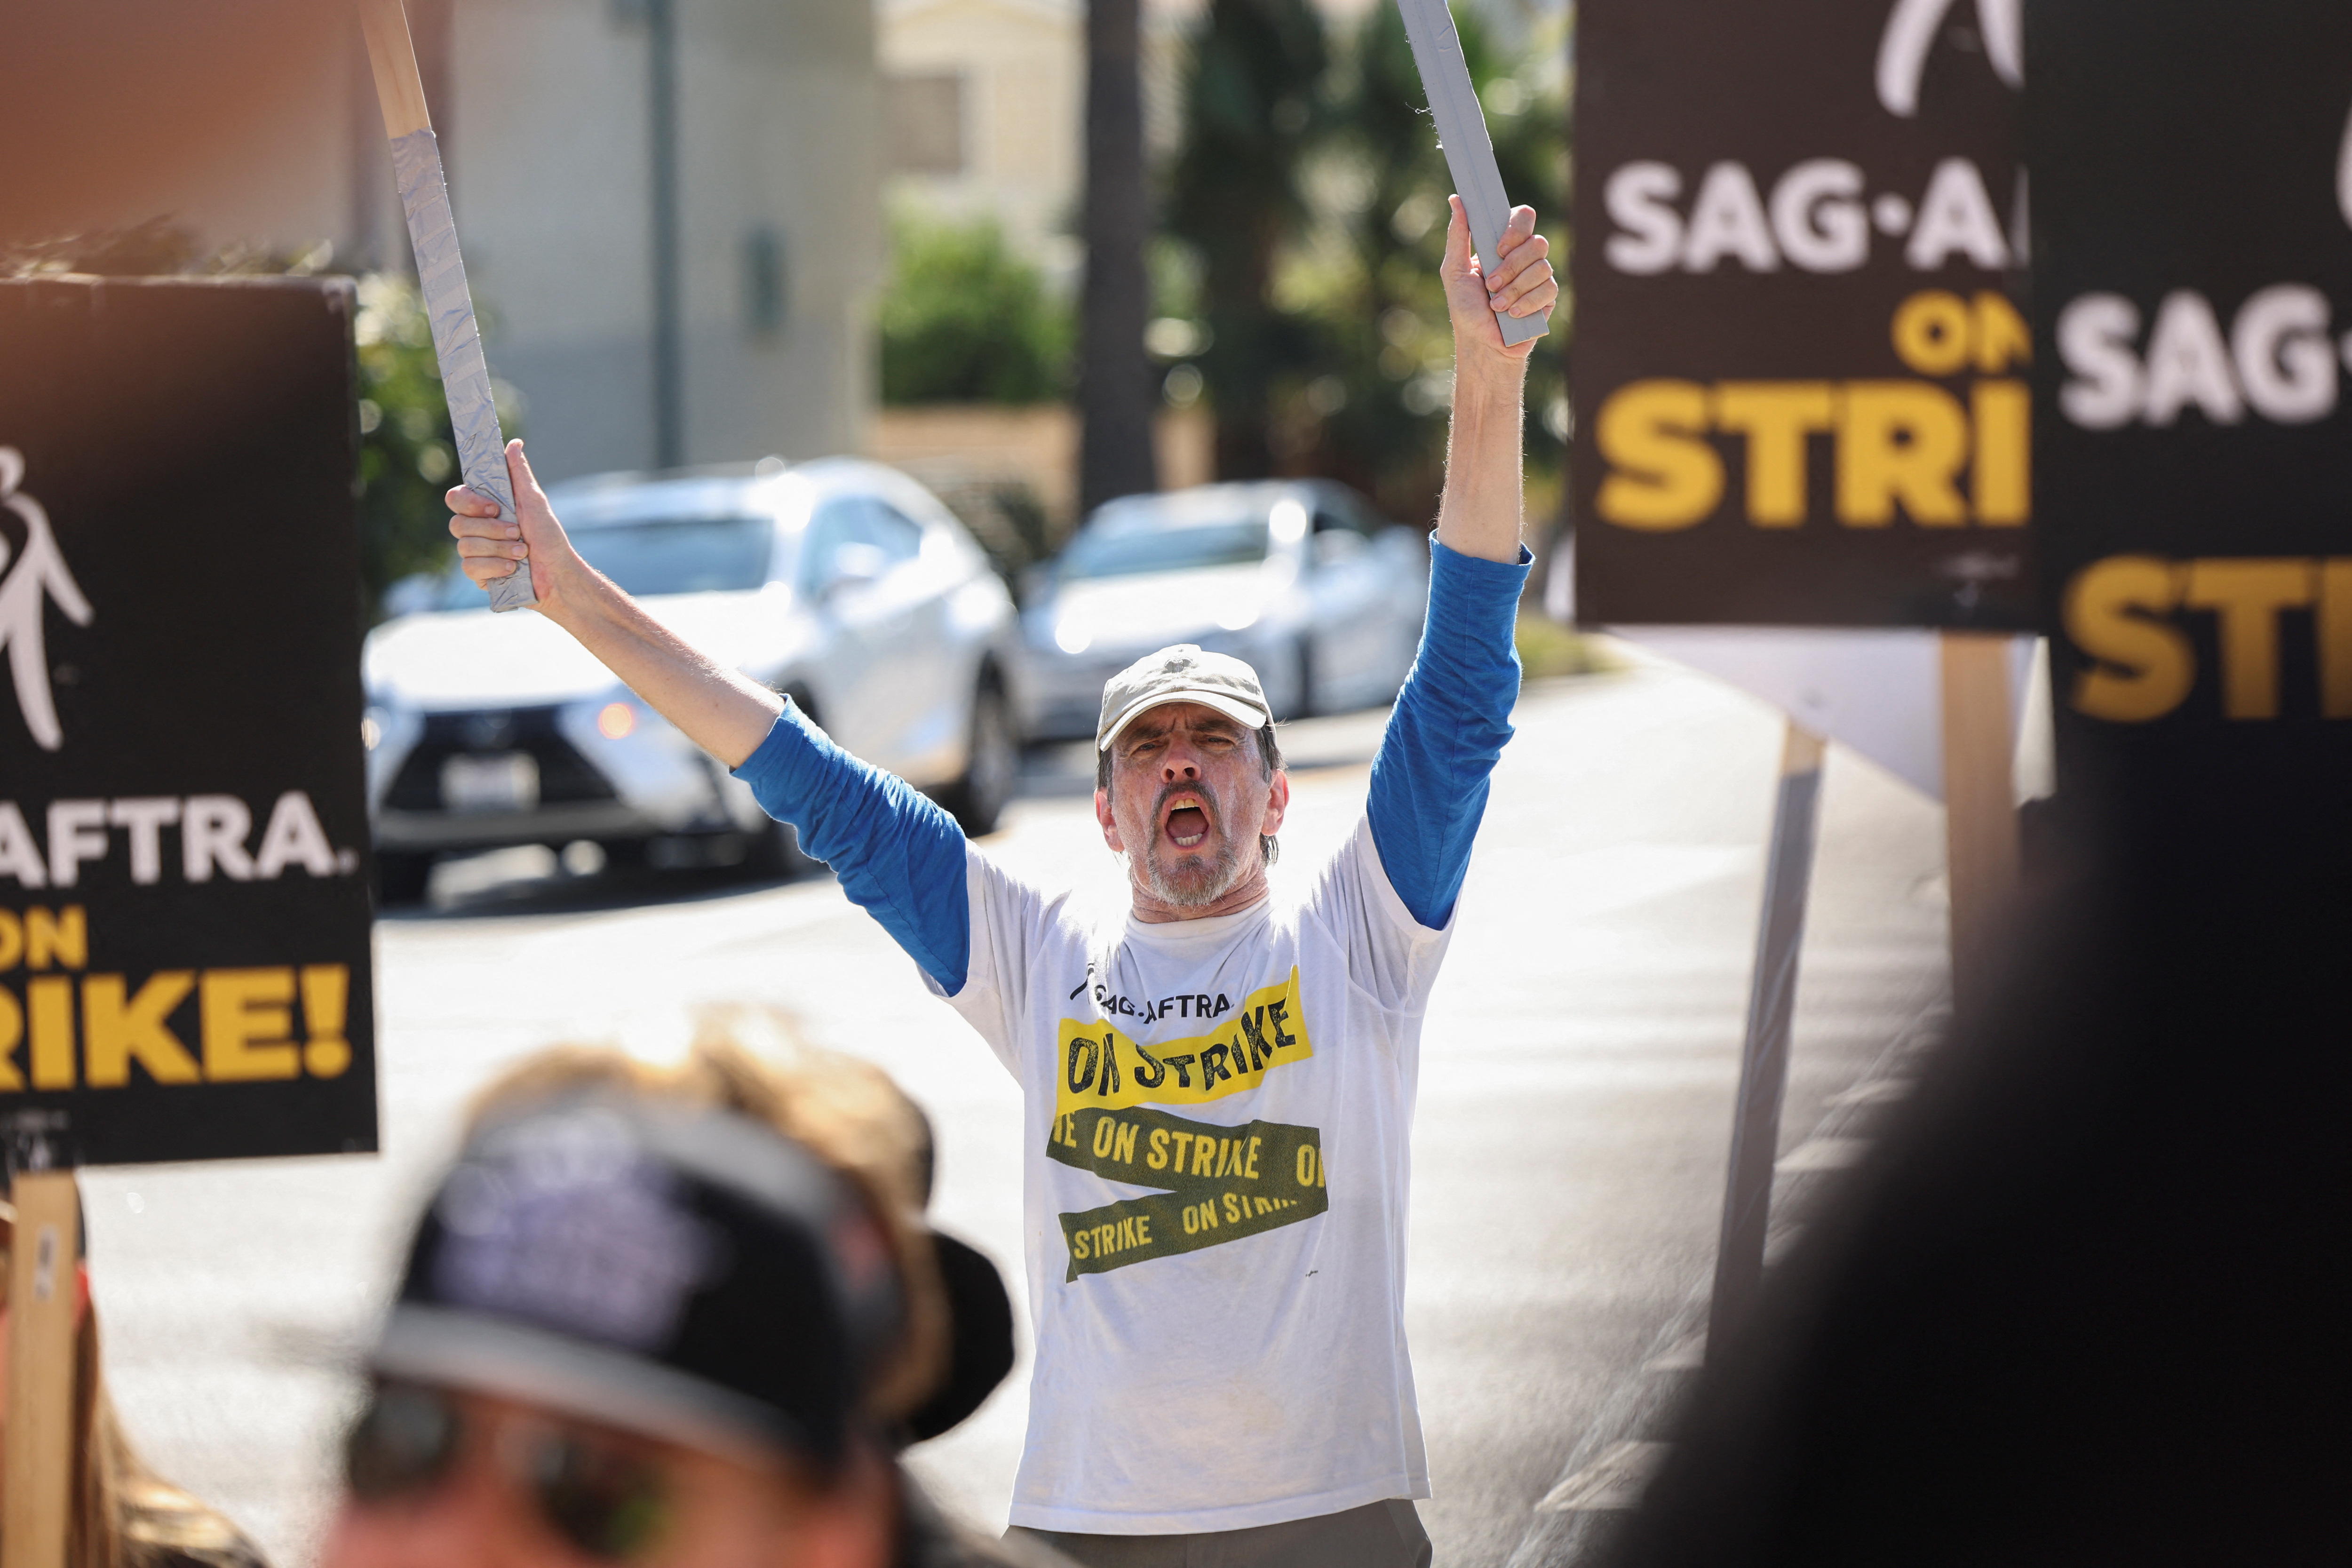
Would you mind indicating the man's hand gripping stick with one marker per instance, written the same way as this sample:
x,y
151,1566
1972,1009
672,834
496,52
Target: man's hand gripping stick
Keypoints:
x,y
1462,131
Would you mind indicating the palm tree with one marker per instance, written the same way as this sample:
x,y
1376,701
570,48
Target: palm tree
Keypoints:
x,y
1250,115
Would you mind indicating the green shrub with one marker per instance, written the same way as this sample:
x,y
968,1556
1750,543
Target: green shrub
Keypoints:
x,y
965,320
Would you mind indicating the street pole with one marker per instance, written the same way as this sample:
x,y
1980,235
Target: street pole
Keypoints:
x,y
1116,392
1764,1057
661,113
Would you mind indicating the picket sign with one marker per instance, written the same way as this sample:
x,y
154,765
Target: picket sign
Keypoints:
x,y
1800,376
185,949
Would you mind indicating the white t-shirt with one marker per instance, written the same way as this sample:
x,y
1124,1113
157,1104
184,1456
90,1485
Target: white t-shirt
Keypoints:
x,y
1217,1126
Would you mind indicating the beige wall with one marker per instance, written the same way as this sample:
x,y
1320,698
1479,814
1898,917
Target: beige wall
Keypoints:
x,y
776,110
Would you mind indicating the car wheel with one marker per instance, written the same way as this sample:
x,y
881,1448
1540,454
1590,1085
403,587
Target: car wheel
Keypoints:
x,y
992,765
1302,693
401,877
626,855
775,854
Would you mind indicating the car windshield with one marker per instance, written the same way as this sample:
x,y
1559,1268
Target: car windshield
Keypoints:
x,y
1122,547
686,555
697,555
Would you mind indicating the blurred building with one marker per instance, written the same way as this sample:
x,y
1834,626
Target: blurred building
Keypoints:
x,y
984,108
985,101
256,125
779,225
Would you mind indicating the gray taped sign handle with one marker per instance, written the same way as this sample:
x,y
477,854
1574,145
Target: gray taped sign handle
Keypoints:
x,y
456,339
1462,133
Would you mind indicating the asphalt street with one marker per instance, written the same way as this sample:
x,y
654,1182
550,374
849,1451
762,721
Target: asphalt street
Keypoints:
x,y
1576,1086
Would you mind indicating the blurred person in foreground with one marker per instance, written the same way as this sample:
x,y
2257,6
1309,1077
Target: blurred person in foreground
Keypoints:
x,y
1217,1288
2086,1301
679,1315
119,1513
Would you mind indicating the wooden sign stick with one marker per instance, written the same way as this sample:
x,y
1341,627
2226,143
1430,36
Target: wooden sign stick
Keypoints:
x,y
1979,804
42,1289
441,273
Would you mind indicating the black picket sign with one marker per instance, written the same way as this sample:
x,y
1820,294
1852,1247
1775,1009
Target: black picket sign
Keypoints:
x,y
1797,373
2192,207
183,841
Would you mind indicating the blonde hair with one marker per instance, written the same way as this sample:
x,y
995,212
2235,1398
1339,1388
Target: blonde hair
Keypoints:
x,y
846,1111
121,1513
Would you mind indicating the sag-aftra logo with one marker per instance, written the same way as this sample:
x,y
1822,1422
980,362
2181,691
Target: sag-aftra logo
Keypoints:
x,y
1819,214
37,575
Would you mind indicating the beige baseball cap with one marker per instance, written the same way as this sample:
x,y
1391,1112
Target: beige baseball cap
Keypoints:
x,y
1182,674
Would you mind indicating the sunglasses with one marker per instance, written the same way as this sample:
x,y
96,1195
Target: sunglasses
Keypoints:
x,y
611,1503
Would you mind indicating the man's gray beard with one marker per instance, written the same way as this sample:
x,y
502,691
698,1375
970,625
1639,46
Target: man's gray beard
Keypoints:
x,y
1197,891
1205,881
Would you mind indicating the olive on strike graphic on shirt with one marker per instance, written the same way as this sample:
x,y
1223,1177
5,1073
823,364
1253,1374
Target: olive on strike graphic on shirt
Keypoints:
x,y
1219,1184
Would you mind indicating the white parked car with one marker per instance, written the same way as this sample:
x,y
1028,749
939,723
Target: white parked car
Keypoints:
x,y
841,583
1300,577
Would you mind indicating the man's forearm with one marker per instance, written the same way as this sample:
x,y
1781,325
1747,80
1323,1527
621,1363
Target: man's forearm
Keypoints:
x,y
1479,514
723,710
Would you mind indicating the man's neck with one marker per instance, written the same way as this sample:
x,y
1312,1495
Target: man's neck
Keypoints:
x,y
1152,910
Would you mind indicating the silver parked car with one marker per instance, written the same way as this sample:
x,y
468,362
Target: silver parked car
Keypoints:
x,y
841,583
1300,577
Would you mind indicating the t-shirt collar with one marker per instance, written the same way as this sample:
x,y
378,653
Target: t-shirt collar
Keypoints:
x,y
1208,931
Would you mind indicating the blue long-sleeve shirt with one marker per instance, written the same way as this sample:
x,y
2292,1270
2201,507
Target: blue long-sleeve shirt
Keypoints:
x,y
901,857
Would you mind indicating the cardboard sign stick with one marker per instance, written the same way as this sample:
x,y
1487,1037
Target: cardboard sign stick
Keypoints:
x,y
1462,133
440,272
41,1290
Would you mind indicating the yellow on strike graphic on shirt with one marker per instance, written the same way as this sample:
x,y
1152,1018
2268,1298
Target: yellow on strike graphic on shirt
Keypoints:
x,y
1221,1183
1104,1069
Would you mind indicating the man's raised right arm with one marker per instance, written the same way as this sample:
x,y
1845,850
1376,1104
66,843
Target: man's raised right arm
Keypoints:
x,y
896,853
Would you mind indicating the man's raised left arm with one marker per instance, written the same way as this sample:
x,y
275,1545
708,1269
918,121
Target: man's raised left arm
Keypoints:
x,y
1429,781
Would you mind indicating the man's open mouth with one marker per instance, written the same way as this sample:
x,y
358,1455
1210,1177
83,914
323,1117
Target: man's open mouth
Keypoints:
x,y
1184,818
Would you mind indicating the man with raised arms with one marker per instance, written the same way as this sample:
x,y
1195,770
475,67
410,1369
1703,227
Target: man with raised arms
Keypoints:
x,y
1219,1079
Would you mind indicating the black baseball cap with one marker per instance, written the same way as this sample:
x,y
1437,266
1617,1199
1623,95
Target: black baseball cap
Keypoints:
x,y
683,1272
